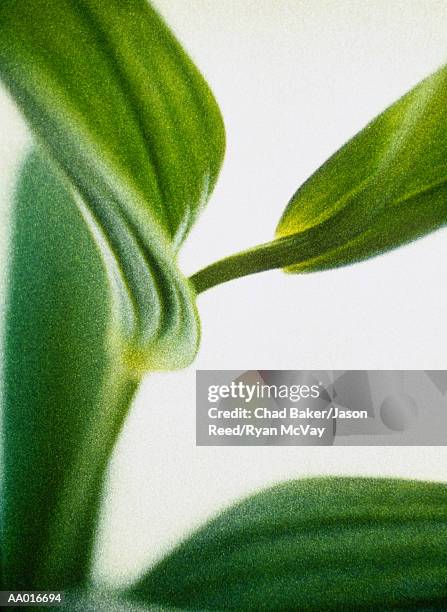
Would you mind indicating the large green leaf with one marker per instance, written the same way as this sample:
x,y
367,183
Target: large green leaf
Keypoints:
x,y
386,187
133,143
317,544
135,129
65,388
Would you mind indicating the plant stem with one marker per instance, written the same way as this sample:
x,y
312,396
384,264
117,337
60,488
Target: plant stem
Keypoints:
x,y
299,251
267,256
73,530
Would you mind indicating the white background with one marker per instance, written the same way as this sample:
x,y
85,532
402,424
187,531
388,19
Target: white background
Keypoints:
x,y
294,79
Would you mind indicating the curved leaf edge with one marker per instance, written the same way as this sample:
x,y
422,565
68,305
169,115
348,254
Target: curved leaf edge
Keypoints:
x,y
206,571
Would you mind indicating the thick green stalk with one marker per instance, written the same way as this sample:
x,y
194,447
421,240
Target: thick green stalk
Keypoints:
x,y
77,512
65,389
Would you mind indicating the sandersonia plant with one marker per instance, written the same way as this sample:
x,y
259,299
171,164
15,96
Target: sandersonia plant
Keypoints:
x,y
128,145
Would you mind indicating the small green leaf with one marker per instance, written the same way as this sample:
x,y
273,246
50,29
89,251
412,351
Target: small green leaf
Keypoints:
x,y
385,187
317,544
134,128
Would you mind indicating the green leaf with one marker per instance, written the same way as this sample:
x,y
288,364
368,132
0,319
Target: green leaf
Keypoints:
x,y
136,131
65,389
386,187
133,143
317,544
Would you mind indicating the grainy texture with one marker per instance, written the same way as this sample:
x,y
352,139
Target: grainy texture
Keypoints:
x,y
64,390
130,142
384,188
317,544
136,131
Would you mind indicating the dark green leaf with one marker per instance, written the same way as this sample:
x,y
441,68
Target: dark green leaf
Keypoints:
x,y
65,389
317,544
135,129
